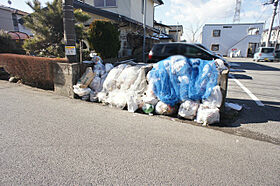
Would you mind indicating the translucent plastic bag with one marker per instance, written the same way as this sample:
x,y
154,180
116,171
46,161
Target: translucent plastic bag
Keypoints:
x,y
96,84
117,98
188,109
108,67
93,96
81,91
111,79
127,77
215,99
207,115
164,109
132,104
178,78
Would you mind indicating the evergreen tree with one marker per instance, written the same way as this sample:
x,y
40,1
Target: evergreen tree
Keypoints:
x,y
104,38
47,26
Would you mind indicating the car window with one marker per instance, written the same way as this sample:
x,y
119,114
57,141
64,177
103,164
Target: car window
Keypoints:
x,y
193,52
165,50
267,50
170,50
157,49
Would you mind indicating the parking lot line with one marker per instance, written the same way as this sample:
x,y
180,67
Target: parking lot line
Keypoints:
x,y
258,102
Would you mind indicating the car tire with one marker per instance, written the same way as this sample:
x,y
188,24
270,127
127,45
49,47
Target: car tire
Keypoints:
x,y
257,60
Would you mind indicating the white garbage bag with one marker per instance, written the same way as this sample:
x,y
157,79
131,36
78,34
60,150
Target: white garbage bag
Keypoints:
x,y
206,115
117,98
220,65
215,99
102,96
81,91
188,109
140,84
127,77
111,79
164,109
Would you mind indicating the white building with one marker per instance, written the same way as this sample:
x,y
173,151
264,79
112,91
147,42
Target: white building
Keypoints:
x,y
132,9
225,39
274,38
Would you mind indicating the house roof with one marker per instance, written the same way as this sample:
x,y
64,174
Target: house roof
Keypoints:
x,y
175,28
107,14
162,25
13,10
233,24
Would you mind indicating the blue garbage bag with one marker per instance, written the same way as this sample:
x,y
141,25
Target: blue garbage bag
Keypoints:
x,y
178,78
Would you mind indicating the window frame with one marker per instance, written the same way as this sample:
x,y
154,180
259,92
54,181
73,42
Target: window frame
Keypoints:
x,y
105,6
217,45
216,35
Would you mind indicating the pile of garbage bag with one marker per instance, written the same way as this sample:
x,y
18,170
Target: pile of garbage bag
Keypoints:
x,y
174,86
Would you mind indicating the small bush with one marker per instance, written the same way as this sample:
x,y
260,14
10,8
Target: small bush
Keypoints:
x,y
8,45
104,38
36,71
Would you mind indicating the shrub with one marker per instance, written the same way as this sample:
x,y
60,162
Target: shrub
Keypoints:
x,y
8,45
36,71
104,38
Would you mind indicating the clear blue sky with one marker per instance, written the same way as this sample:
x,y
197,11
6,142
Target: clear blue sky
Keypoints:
x,y
194,13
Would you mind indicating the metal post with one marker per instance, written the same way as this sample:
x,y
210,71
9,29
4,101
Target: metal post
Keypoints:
x,y
69,31
271,23
144,28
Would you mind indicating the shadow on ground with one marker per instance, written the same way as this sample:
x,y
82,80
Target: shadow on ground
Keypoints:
x,y
240,76
251,113
254,66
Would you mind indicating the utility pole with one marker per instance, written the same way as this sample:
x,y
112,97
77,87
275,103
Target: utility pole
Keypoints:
x,y
275,3
144,28
69,31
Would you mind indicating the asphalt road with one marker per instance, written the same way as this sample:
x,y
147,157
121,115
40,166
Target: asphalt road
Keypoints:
x,y
51,140
262,80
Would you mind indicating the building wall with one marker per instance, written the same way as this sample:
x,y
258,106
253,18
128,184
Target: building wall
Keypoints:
x,y
132,9
136,11
236,37
6,22
274,39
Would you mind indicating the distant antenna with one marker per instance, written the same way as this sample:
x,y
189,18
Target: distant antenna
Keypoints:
x,y
236,17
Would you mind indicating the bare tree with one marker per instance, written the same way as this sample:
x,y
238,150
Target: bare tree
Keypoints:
x,y
193,32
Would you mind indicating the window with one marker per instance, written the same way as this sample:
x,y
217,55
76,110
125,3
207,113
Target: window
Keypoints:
x,y
267,50
227,26
15,22
105,3
216,33
253,31
215,47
